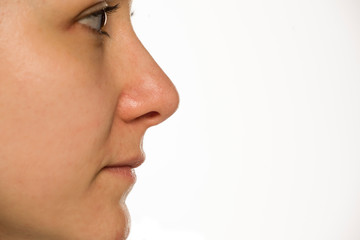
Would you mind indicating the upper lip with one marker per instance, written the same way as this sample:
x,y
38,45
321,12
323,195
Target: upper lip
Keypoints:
x,y
131,162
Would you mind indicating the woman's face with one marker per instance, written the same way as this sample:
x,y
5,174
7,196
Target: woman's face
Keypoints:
x,y
73,102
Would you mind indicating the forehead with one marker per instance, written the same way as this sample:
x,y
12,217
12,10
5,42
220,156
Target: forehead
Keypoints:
x,y
71,3
56,9
62,3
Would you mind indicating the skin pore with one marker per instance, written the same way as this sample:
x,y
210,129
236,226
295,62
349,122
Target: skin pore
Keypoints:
x,y
72,101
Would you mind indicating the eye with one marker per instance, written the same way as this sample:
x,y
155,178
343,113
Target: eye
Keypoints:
x,y
96,17
96,21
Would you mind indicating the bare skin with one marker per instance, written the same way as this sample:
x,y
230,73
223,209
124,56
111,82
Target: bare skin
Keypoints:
x,y
72,101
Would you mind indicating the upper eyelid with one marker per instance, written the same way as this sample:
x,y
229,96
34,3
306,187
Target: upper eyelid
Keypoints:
x,y
91,10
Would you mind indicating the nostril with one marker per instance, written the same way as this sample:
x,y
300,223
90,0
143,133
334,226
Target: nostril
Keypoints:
x,y
149,115
152,114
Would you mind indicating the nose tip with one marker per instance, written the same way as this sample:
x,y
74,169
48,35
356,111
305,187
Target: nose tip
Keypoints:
x,y
151,100
149,95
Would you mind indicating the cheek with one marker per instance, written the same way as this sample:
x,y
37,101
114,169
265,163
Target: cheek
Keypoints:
x,y
51,120
55,117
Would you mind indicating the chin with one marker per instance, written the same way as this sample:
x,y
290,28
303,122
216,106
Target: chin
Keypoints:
x,y
121,224
102,214
123,228
103,224
116,229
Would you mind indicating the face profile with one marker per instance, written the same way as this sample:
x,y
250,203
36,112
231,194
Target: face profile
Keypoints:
x,y
78,91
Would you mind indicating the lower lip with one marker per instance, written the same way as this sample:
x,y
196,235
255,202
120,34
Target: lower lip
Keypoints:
x,y
122,172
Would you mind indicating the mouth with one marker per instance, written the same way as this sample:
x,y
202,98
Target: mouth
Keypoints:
x,y
124,172
125,169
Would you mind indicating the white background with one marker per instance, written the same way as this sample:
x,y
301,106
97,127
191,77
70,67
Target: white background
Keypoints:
x,y
266,142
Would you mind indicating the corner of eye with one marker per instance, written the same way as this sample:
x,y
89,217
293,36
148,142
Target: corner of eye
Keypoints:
x,y
83,21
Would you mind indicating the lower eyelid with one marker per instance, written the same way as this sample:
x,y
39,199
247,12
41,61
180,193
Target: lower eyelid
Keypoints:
x,y
88,32
90,21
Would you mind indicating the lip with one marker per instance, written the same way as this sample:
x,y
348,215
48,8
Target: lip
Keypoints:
x,y
131,163
125,168
124,172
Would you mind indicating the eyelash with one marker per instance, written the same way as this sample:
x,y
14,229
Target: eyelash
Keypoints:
x,y
104,13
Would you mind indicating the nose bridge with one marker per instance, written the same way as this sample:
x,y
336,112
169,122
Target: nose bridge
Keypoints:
x,y
147,93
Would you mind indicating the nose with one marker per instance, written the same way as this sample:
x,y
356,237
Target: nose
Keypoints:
x,y
147,95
